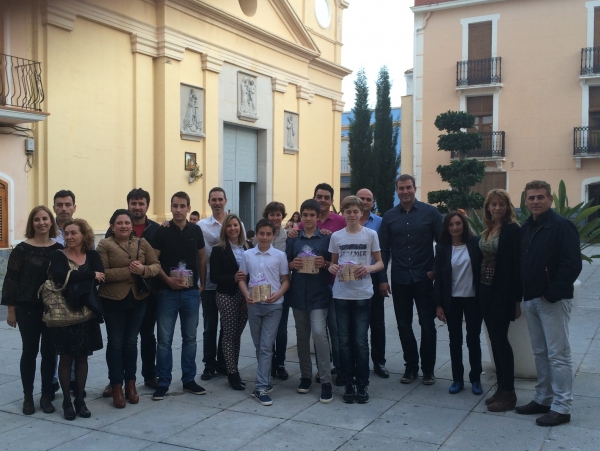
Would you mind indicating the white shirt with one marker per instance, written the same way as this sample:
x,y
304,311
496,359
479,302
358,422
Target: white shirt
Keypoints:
x,y
238,252
272,264
462,273
357,248
211,229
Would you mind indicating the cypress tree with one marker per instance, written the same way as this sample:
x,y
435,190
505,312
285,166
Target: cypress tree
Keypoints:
x,y
360,135
384,164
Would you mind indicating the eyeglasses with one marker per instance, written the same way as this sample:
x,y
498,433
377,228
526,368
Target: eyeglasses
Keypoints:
x,y
320,196
366,199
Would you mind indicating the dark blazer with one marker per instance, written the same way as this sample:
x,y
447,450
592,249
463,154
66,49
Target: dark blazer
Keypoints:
x,y
506,284
223,267
443,270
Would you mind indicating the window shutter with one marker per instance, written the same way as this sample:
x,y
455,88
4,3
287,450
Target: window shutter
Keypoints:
x,y
3,214
594,99
480,40
596,27
491,180
480,105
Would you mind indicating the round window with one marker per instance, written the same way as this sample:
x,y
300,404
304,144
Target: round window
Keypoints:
x,y
323,13
248,7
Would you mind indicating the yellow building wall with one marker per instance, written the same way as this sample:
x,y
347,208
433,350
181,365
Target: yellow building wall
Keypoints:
x,y
541,98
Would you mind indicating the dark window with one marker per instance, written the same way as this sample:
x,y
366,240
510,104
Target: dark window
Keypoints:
x,y
3,214
482,107
491,180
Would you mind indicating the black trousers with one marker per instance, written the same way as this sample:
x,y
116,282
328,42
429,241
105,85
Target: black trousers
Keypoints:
x,y
31,327
469,307
377,324
497,323
212,349
422,294
280,345
148,339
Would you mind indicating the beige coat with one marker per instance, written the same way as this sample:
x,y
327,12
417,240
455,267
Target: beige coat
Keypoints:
x,y
116,259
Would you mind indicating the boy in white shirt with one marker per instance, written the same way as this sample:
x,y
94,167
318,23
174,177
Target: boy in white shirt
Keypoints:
x,y
270,264
351,250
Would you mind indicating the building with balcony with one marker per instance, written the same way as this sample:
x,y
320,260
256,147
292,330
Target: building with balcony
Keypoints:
x,y
529,71
347,116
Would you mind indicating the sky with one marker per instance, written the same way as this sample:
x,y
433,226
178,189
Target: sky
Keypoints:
x,y
377,33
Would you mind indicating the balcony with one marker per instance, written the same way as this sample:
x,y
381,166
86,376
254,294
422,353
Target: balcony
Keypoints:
x,y
492,147
21,90
586,142
486,71
345,165
590,62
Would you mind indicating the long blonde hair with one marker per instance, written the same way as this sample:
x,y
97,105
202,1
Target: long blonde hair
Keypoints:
x,y
223,236
510,216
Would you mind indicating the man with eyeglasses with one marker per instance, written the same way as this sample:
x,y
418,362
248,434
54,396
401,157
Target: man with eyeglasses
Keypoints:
x,y
377,322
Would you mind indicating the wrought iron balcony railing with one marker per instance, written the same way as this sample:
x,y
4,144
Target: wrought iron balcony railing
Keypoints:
x,y
479,72
345,165
492,146
586,141
20,83
590,61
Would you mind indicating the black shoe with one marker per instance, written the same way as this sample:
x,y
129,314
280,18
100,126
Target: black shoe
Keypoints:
x,y
221,369
409,377
326,394
317,378
46,404
242,383
28,405
193,387
339,382
304,386
532,408
55,386
428,378
381,370
160,393
553,418
82,409
235,381
207,374
68,411
281,373
362,394
349,394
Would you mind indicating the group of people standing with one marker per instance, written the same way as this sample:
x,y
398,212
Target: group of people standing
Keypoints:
x,y
150,275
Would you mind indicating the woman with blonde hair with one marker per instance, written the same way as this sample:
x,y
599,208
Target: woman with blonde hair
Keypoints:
x,y
78,341
27,270
126,258
225,271
500,290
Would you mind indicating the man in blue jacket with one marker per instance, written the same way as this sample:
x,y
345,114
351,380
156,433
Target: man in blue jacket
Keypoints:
x,y
550,264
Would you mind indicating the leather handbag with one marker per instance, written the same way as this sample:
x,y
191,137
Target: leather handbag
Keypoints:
x,y
140,283
57,313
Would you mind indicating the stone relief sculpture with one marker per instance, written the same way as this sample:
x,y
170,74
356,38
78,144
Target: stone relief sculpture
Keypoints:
x,y
290,123
191,107
192,122
247,100
290,133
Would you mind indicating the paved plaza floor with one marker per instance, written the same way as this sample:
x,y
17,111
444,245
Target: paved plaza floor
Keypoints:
x,y
403,417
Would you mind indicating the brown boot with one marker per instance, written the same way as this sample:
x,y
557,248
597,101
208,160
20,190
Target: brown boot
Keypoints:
x,y
493,398
131,393
507,400
107,393
117,396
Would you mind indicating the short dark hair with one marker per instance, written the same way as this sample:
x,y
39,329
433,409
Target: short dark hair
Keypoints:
x,y
181,195
405,178
539,184
310,204
195,213
324,187
217,188
250,234
265,223
273,207
137,194
446,238
117,213
64,193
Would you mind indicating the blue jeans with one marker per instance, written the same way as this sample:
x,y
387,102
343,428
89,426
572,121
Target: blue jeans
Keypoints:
x,y
122,329
353,317
186,304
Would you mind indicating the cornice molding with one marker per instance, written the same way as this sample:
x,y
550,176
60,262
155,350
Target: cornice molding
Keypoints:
x,y
329,67
294,24
450,4
338,105
55,15
169,44
145,46
342,4
211,63
279,85
305,93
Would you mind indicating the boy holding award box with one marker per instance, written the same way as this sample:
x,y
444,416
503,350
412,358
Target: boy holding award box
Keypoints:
x,y
351,251
267,270
309,297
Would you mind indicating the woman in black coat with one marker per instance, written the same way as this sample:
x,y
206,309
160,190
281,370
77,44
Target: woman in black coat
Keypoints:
x,y
500,290
225,271
457,270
